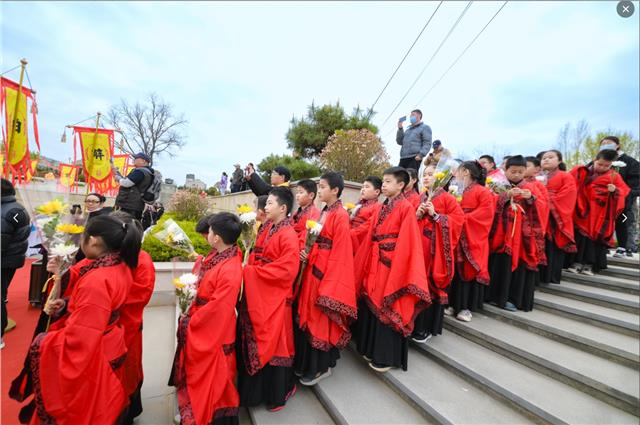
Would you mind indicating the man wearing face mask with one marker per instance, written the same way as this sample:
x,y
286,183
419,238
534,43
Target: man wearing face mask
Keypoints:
x,y
625,230
415,141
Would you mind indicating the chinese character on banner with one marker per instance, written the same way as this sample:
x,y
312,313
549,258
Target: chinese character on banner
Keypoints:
x,y
15,129
96,146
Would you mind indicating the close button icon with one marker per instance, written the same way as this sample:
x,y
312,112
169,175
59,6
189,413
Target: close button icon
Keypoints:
x,y
625,8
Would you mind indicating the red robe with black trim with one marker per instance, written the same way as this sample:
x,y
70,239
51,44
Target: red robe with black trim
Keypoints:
x,y
389,265
310,212
534,227
204,370
479,207
596,208
413,197
439,241
359,219
561,188
327,301
77,369
266,318
144,278
506,232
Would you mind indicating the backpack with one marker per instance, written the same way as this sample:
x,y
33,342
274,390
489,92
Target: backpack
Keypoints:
x,y
152,192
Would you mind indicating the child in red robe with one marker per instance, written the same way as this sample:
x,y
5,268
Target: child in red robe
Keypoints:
x,y
390,278
327,300
472,255
516,209
361,214
265,317
306,191
440,220
560,240
533,174
204,368
411,191
77,366
601,199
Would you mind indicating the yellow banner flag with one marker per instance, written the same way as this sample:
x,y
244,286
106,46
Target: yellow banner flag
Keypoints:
x,y
31,171
18,143
68,175
96,155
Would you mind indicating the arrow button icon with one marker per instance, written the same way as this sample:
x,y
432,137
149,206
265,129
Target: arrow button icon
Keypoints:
x,y
15,217
624,217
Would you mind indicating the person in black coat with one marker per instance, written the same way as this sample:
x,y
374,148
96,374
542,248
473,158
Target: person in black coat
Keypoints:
x,y
16,228
280,176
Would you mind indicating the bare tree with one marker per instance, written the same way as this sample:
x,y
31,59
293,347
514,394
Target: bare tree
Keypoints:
x,y
563,139
148,127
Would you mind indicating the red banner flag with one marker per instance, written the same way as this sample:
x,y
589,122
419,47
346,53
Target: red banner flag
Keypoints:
x,y
96,146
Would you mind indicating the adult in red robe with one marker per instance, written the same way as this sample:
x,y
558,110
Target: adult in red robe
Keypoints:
x,y
560,239
390,278
440,234
601,199
327,298
204,369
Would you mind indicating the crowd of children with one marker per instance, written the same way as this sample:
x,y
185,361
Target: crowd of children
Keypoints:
x,y
378,275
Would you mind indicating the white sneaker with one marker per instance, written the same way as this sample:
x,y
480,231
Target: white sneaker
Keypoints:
x,y
464,316
620,252
449,311
586,270
381,369
575,268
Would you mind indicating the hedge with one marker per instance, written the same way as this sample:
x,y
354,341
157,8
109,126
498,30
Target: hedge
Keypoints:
x,y
160,252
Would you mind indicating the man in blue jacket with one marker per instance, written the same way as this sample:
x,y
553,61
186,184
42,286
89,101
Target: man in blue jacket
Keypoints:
x,y
415,141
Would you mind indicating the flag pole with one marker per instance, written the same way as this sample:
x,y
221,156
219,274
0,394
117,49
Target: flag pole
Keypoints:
x,y
23,65
90,167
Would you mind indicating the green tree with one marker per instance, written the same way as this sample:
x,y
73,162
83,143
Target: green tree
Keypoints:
x,y
300,169
308,135
356,154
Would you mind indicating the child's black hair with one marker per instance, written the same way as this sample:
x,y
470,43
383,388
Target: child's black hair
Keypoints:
x,y
334,180
534,160
226,225
309,186
284,196
607,155
202,226
118,236
489,158
262,202
476,171
399,173
375,181
413,174
515,161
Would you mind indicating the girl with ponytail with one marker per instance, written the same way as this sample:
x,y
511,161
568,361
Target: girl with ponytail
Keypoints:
x,y
77,364
472,253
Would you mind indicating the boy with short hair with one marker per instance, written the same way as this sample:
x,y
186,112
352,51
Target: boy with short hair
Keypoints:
x,y
327,300
369,195
204,368
390,277
265,320
306,191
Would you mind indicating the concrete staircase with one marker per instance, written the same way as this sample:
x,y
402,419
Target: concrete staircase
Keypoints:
x,y
575,359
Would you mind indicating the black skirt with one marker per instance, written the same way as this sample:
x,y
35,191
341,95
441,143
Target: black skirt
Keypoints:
x,y
552,272
310,361
522,289
379,342
429,321
227,420
501,275
589,252
466,295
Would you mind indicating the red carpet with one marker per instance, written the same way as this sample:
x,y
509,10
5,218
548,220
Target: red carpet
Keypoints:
x,y
16,341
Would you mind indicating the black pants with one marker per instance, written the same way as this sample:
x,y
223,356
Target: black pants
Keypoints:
x,y
7,276
136,214
409,163
624,229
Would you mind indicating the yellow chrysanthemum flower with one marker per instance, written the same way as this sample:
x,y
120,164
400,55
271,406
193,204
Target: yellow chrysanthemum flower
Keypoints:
x,y
51,208
439,175
489,180
72,229
178,284
243,209
350,205
311,224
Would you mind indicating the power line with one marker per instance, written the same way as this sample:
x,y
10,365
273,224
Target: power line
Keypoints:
x,y
463,52
403,59
430,60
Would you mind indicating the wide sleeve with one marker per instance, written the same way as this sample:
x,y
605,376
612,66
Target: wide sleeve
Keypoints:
x,y
448,228
278,272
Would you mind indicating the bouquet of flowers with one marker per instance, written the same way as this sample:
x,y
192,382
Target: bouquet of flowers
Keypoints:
x,y
174,237
313,231
456,190
248,226
446,168
498,183
186,289
350,207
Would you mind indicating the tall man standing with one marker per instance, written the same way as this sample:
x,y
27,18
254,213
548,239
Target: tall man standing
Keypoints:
x,y
236,179
415,141
132,188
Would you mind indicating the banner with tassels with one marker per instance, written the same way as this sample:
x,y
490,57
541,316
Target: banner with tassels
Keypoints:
x,y
31,171
14,99
68,175
121,162
96,146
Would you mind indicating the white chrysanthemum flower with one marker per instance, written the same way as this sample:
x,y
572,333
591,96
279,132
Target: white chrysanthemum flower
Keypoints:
x,y
316,229
188,279
453,188
178,237
62,250
249,217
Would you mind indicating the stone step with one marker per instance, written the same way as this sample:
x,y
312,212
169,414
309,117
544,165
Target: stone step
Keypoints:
x,y
613,383
620,271
358,397
620,348
544,398
604,317
632,263
627,285
303,408
599,296
444,392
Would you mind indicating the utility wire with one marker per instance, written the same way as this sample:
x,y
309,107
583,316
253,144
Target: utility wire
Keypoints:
x,y
403,59
463,52
430,60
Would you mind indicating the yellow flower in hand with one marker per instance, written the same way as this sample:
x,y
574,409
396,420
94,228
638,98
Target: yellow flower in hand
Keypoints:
x,y
72,229
243,209
489,180
439,175
178,284
311,224
51,208
349,205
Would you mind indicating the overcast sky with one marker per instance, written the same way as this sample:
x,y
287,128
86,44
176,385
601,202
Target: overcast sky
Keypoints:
x,y
240,71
